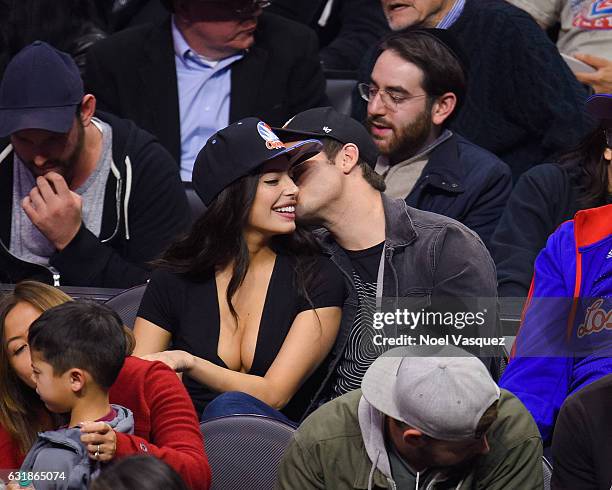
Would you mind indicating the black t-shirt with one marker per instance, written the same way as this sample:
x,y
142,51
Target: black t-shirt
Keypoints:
x,y
582,439
190,312
360,350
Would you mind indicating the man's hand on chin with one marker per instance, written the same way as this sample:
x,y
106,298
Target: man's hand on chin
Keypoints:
x,y
54,209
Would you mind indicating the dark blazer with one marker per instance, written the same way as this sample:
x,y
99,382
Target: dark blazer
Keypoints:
x,y
133,74
466,183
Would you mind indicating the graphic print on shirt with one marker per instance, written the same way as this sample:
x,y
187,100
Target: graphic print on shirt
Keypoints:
x,y
360,350
592,15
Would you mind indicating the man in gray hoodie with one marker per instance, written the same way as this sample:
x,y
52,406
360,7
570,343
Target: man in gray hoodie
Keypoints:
x,y
433,422
77,349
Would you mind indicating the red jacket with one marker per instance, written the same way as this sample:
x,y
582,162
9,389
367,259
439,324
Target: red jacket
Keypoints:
x,y
166,424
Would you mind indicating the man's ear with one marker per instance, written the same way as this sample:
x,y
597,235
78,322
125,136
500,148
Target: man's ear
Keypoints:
x,y
77,379
348,157
413,437
443,107
88,109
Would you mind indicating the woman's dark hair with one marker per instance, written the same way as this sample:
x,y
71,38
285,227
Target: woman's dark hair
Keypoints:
x,y
587,168
217,240
142,472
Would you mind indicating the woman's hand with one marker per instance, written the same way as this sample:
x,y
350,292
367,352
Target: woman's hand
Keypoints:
x,y
178,360
100,440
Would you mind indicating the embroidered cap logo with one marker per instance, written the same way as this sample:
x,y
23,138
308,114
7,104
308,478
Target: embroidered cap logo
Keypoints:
x,y
272,141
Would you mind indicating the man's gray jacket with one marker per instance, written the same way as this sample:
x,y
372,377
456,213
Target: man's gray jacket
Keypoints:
x,y
430,262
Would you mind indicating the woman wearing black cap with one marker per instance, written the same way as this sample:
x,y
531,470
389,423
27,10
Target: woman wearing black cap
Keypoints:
x,y
246,299
549,194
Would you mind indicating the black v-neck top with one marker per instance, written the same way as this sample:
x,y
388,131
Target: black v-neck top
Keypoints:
x,y
190,312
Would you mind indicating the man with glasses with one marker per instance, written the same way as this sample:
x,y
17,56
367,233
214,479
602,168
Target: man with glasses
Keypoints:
x,y
211,63
523,103
417,86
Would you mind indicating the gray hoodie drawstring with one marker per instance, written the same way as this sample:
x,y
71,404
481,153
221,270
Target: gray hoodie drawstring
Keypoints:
x,y
128,191
371,477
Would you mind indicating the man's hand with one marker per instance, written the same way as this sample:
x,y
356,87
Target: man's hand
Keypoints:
x,y
601,80
54,209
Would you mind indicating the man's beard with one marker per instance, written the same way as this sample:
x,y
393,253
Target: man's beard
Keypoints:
x,y
406,140
66,167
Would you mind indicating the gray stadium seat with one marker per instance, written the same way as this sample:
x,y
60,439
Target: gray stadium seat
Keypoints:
x,y
244,450
340,94
196,205
126,304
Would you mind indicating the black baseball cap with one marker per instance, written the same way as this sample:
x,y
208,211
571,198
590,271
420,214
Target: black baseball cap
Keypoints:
x,y
239,149
41,89
327,122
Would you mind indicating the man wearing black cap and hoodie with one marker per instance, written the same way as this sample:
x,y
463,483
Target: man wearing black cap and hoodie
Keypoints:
x,y
392,256
86,199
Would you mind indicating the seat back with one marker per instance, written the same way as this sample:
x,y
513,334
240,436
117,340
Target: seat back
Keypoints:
x,y
244,451
196,205
340,94
126,304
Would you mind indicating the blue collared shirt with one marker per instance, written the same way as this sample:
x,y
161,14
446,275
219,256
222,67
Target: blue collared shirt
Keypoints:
x,y
452,16
204,89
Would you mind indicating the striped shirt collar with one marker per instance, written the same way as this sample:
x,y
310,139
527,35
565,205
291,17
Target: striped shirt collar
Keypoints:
x,y
453,14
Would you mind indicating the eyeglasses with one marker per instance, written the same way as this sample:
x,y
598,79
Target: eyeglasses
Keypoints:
x,y
390,99
242,12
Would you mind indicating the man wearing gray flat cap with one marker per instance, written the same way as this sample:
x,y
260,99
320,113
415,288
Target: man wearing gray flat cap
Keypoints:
x,y
424,420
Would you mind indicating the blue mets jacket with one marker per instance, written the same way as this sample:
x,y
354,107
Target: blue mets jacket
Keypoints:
x,y
565,339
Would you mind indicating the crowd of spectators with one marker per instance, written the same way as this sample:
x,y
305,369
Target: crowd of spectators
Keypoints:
x,y
284,244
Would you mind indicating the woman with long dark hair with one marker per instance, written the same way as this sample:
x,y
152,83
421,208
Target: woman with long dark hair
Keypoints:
x,y
246,300
549,194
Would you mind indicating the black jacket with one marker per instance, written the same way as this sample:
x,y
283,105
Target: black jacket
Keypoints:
x,y
522,103
145,208
466,183
133,75
543,198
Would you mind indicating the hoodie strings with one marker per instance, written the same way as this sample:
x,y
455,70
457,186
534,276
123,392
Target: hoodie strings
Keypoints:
x,y
128,191
371,477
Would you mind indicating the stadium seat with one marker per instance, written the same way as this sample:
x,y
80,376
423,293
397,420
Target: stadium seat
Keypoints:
x,y
126,304
244,450
340,94
547,470
196,205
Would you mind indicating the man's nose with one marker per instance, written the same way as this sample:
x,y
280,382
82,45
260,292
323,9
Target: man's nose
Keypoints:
x,y
39,160
376,107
